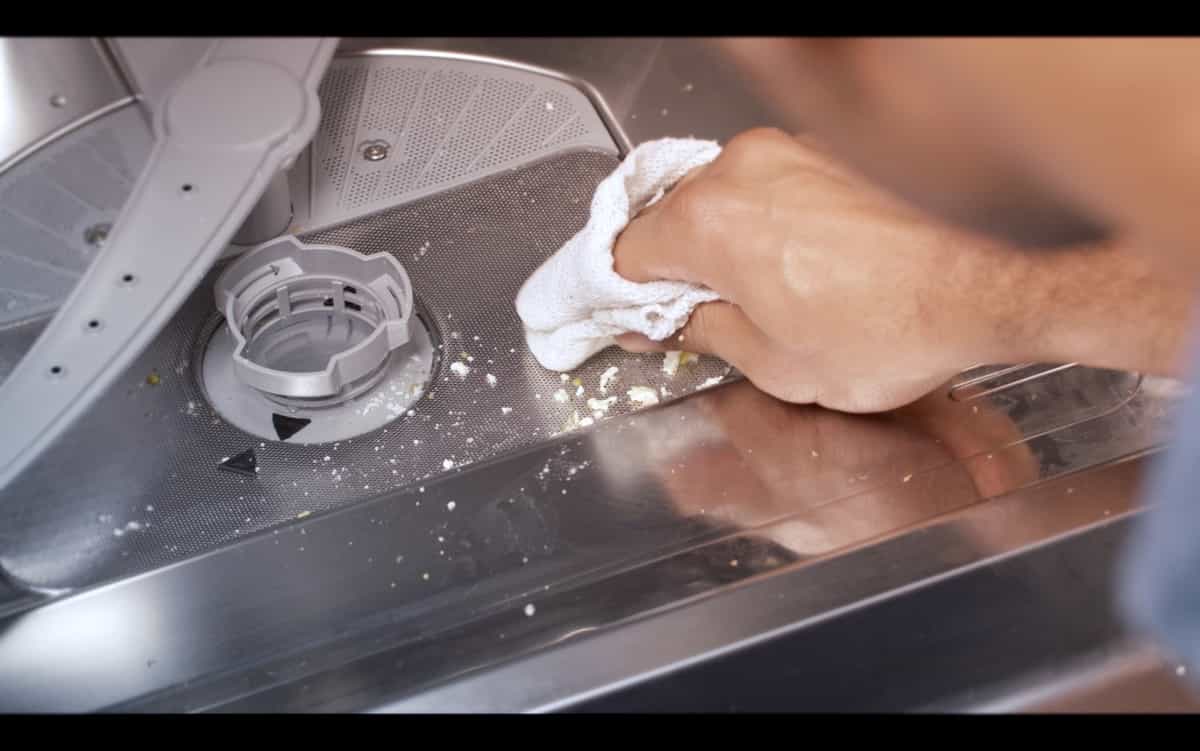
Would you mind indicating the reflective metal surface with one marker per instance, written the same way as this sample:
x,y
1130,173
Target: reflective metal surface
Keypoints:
x,y
49,85
440,582
653,87
572,569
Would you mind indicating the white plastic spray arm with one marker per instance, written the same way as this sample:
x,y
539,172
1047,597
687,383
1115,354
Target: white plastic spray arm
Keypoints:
x,y
242,115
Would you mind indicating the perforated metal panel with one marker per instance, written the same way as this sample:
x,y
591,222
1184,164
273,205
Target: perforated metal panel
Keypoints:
x,y
445,123
136,484
49,201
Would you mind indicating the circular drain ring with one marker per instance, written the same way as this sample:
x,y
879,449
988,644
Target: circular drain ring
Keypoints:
x,y
313,324
403,382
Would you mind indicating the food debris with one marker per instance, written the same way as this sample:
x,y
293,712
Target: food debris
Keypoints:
x,y
491,380
575,421
673,359
450,506
643,396
579,391
505,410
447,464
530,609
606,378
564,377
303,514
670,363
561,395
600,406
710,382
460,369
907,478
153,378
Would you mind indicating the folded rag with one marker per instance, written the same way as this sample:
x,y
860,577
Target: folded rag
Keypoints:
x,y
575,303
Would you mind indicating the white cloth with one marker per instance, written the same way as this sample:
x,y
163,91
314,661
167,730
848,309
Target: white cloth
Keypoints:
x,y
575,303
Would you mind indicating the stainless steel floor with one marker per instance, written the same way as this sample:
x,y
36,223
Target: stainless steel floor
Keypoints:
x,y
664,537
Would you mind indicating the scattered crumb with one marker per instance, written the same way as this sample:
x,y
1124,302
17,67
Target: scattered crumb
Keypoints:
x,y
673,359
460,369
447,464
907,478
733,563
564,377
530,609
579,391
670,363
561,395
303,514
643,396
814,453
505,410
153,379
606,378
709,383
450,506
491,380
600,406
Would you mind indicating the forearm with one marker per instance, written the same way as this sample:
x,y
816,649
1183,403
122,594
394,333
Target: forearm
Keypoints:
x,y
1103,307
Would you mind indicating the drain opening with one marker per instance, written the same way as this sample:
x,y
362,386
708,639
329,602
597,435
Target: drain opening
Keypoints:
x,y
321,338
314,323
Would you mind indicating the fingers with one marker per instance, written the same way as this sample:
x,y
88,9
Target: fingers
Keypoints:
x,y
659,244
714,328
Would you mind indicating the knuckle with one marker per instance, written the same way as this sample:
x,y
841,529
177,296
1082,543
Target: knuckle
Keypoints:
x,y
700,204
756,139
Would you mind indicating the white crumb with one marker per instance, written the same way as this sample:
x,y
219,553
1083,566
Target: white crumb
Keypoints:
x,y
447,463
606,378
670,364
600,406
459,369
450,506
505,410
561,395
530,609
491,380
643,396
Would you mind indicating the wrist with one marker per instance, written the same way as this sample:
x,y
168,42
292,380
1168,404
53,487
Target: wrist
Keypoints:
x,y
1102,307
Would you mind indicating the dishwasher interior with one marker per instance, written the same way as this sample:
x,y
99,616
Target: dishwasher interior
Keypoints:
x,y
190,543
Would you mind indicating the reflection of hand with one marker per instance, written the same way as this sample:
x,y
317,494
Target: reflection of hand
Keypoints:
x,y
780,460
